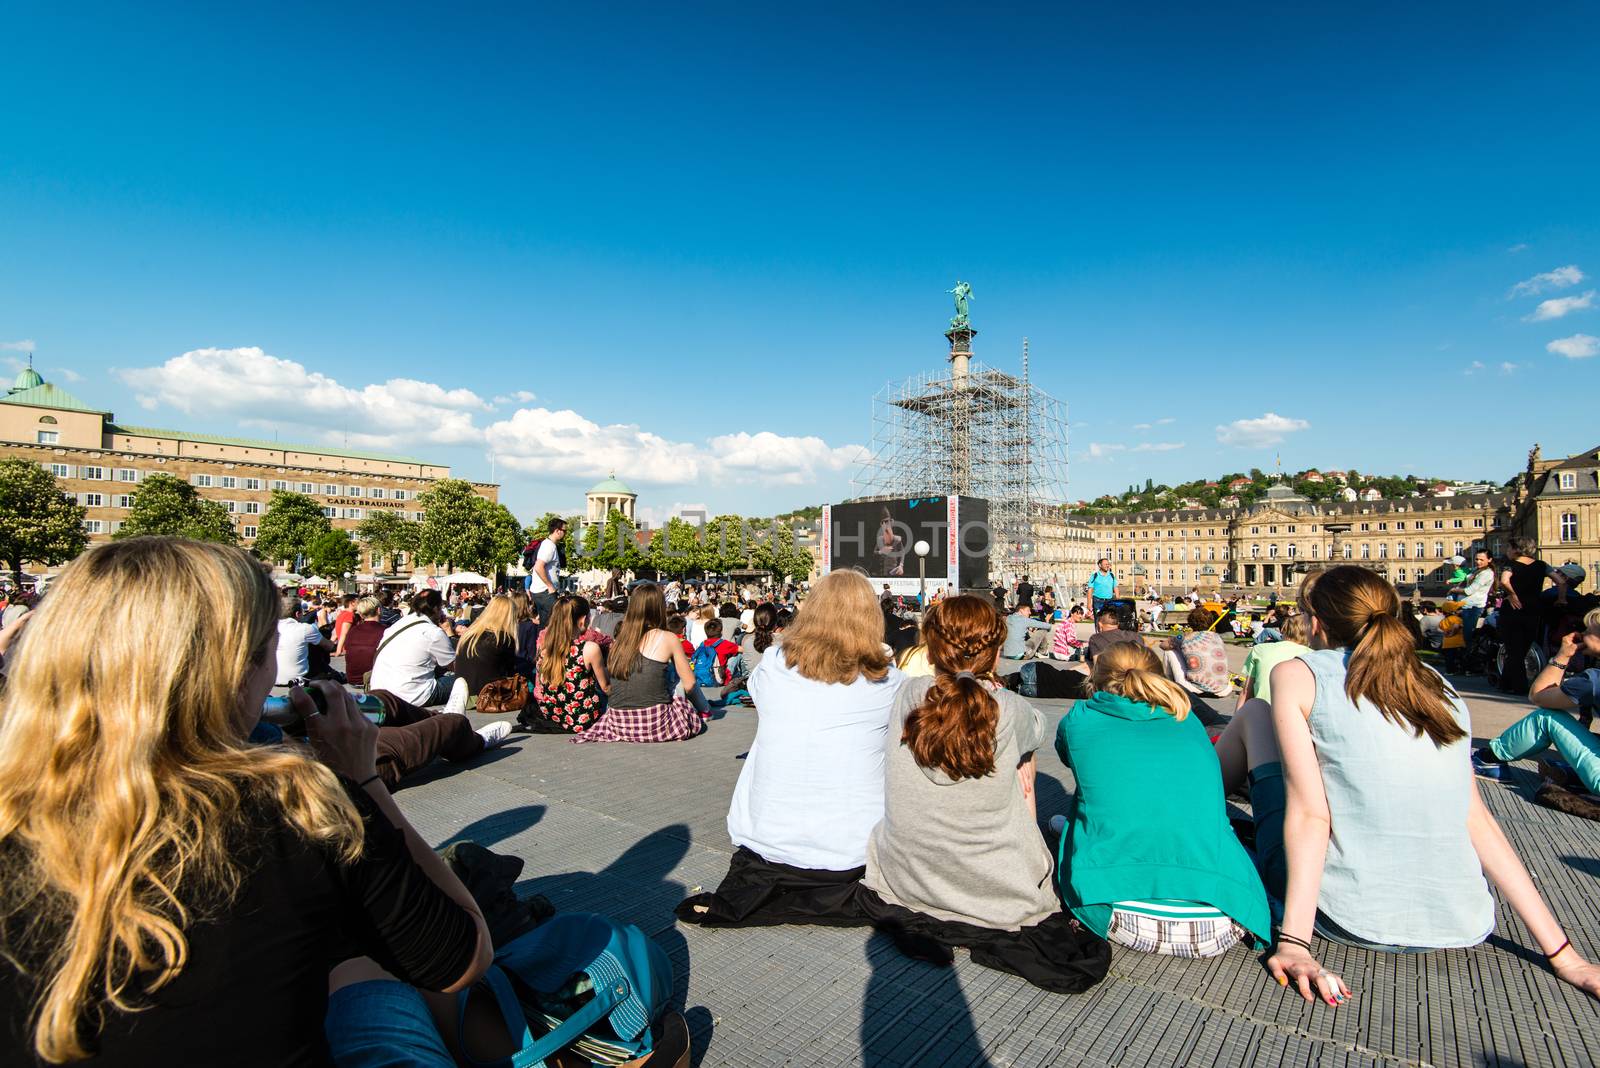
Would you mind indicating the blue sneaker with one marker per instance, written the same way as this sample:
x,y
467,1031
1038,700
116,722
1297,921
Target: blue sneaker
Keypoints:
x,y
1485,764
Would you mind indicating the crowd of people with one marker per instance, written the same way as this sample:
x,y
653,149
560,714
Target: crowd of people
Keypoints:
x,y
189,880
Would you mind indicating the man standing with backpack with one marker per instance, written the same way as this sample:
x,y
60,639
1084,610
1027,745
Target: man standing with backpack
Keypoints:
x,y
544,573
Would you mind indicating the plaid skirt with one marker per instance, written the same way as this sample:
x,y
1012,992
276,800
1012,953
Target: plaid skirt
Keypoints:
x,y
672,721
1173,938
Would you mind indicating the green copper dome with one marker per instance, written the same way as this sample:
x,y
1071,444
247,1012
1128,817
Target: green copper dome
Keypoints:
x,y
27,378
613,487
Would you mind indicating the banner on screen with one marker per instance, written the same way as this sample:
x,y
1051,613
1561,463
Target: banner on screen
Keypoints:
x,y
878,538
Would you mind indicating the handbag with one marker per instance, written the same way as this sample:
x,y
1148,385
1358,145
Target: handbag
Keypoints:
x,y
509,694
586,983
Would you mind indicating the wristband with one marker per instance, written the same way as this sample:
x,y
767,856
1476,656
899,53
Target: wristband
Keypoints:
x,y
1293,941
362,785
1562,948
1562,664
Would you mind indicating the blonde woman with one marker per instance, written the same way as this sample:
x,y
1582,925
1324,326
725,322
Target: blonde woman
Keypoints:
x,y
487,650
1159,871
172,894
811,788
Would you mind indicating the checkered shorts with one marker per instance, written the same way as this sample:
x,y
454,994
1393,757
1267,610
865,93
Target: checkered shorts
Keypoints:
x,y
1173,938
672,721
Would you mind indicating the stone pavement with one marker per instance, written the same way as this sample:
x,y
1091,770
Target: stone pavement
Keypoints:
x,y
630,830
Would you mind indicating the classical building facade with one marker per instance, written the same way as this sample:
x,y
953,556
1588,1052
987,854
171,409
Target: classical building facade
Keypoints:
x,y
1557,503
101,462
1065,550
1270,544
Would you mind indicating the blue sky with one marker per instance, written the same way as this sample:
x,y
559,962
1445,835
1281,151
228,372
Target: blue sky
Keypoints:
x,y
700,237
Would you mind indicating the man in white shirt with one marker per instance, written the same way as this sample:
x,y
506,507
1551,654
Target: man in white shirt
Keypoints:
x,y
544,581
296,639
411,652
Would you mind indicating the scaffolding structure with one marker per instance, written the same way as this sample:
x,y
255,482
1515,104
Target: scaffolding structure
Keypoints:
x,y
974,431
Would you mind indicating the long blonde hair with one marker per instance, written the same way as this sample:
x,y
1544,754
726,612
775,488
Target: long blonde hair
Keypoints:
x,y
124,771
838,635
1132,670
498,619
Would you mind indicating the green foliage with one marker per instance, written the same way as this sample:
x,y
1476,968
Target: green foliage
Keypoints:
x,y
332,554
612,545
292,522
385,533
169,506
37,521
463,530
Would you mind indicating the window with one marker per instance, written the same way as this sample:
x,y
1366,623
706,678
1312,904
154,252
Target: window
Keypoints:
x,y
252,483
330,512
1255,552
1255,530
330,490
1422,550
1366,526
306,487
1272,551
1438,550
400,495
1478,522
252,507
351,513
200,480
352,491
376,493
127,474
48,437
229,482
1402,575
231,506
1272,530
122,500
61,470
1291,550
1400,550
1457,523
1316,550
1211,553
1383,526
1569,526
1291,528
1383,550
1347,550
249,532
1366,551
1460,548
1569,480
1438,524
278,485
399,559
1119,556
1417,525
92,500
93,526
97,473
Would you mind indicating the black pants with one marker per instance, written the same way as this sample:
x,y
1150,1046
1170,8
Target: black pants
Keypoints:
x,y
412,738
1518,629
763,893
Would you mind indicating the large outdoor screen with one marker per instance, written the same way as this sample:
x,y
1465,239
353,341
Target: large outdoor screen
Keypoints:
x,y
877,536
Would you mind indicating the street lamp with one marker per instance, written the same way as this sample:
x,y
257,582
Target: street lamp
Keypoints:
x,y
922,549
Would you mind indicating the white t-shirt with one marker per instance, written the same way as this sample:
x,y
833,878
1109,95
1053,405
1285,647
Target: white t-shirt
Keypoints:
x,y
295,640
811,789
547,555
405,664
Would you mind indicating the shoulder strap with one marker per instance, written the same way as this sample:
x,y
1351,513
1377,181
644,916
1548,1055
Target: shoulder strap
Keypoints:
x,y
385,643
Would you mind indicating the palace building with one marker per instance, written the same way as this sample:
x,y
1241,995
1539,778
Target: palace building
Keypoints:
x,y
100,462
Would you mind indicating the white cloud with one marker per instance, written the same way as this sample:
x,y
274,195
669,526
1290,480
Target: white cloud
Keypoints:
x,y
695,512
1556,307
1158,422
1473,368
1268,429
25,345
263,390
1576,347
521,396
1100,450
1560,278
1168,419
1158,446
1143,426
1508,368
68,374
565,445
1520,246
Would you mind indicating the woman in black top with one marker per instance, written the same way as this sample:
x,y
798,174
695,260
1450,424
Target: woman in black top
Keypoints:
x,y
1518,621
175,895
487,650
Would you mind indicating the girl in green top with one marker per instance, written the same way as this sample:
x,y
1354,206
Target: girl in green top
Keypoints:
x,y
1154,870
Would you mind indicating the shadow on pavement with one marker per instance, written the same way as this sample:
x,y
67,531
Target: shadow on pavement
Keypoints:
x,y
494,829
914,1013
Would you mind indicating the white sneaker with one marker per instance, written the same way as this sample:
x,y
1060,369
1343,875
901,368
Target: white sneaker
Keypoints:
x,y
458,698
495,734
1058,823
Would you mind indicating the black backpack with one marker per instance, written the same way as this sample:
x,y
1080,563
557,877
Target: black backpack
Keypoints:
x,y
530,554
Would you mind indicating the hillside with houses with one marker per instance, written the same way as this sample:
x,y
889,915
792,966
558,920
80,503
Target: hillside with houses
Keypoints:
x,y
1241,488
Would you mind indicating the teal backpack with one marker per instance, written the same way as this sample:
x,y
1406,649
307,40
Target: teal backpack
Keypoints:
x,y
584,981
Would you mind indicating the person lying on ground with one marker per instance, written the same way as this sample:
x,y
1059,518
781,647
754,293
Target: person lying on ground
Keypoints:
x,y
1362,736
175,895
1159,871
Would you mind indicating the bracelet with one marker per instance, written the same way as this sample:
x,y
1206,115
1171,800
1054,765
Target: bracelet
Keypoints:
x,y
1562,664
1559,950
362,785
1293,941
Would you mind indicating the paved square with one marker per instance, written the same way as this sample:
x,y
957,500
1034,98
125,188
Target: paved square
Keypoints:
x,y
629,830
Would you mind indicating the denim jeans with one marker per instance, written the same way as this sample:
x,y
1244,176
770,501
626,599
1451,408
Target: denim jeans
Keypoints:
x,y
1469,623
1545,727
383,1023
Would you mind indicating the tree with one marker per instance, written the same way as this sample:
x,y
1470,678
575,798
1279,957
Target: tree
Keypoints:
x,y
169,506
675,548
618,545
332,554
385,533
37,521
462,529
292,522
